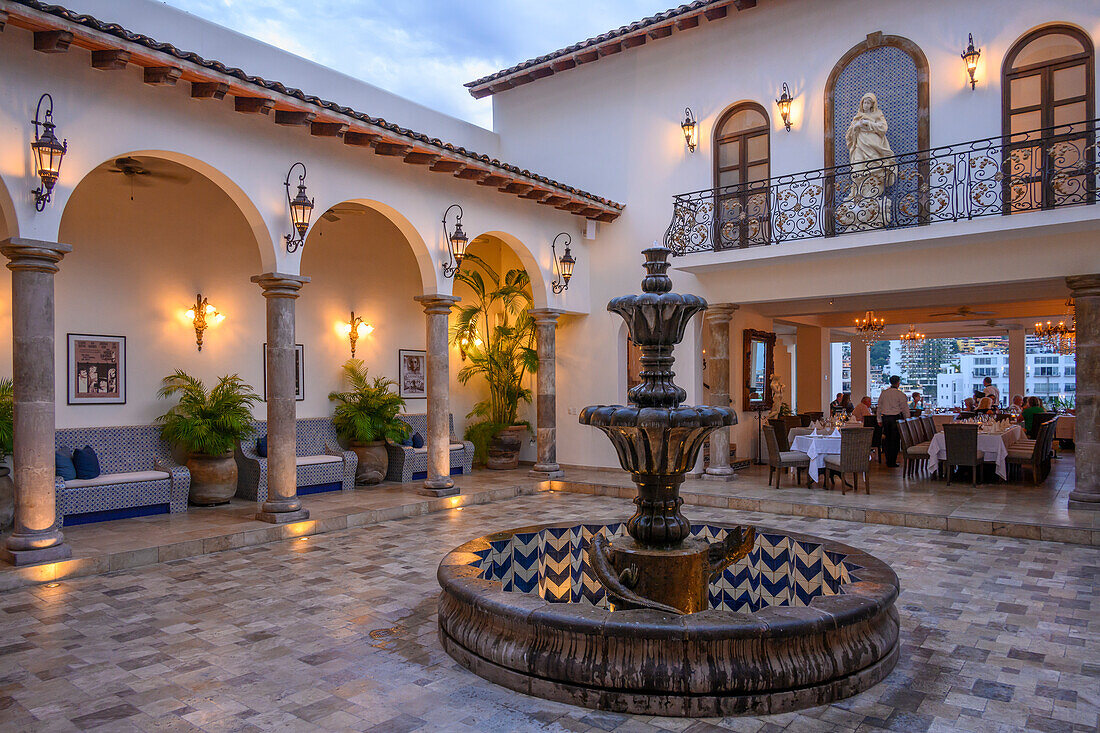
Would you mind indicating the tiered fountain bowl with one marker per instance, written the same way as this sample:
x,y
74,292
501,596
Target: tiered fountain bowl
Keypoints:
x,y
655,615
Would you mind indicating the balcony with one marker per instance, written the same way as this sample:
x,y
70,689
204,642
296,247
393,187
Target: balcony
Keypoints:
x,y
1036,170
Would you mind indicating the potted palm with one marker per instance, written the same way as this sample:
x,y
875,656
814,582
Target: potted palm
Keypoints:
x,y
366,417
207,425
7,434
503,358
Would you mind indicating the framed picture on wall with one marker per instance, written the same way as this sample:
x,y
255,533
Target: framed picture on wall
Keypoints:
x,y
96,373
299,372
413,373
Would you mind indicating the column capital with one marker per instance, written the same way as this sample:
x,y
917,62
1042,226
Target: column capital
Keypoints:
x,y
1079,285
35,255
545,316
280,285
437,304
720,312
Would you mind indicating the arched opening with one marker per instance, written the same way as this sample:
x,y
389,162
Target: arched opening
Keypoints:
x,y
1048,94
360,259
742,153
148,233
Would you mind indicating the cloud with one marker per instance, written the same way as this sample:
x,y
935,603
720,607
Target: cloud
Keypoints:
x,y
424,50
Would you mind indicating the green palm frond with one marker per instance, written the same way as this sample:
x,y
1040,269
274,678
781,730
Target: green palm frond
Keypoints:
x,y
7,417
206,422
368,411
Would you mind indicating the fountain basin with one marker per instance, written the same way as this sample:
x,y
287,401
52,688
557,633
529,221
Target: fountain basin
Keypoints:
x,y
801,621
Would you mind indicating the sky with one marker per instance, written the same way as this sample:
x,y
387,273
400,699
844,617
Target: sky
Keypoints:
x,y
424,50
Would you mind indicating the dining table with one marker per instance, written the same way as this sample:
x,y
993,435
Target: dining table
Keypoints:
x,y
817,447
993,445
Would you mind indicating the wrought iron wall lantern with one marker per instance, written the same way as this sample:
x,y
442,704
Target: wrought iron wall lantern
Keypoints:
x,y
690,126
565,263
456,240
784,104
47,151
301,207
203,315
355,328
971,56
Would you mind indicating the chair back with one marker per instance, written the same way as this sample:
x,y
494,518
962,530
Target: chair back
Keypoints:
x,y
804,420
870,421
906,435
855,449
773,445
779,429
1038,419
929,426
790,421
815,415
962,444
1048,439
795,432
1043,442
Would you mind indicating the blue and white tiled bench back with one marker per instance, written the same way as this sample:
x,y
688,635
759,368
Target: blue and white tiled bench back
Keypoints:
x,y
410,464
322,464
137,475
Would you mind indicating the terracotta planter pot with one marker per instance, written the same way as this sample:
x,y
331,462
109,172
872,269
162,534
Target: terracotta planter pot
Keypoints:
x,y
374,462
213,478
7,498
504,448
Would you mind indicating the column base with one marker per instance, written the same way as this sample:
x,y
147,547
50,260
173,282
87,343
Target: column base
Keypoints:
x,y
719,474
439,487
283,517
546,471
1083,501
36,556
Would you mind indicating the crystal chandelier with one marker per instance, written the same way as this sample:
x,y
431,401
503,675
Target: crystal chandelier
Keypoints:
x,y
911,341
1060,337
869,328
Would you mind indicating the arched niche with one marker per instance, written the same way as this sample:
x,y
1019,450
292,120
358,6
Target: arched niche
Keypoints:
x,y
528,260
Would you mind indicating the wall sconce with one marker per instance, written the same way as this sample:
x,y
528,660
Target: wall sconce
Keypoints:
x,y
203,315
971,56
784,104
465,343
355,328
48,153
301,206
457,241
690,127
565,264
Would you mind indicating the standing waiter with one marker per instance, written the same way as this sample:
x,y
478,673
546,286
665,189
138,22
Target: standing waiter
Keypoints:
x,y
892,406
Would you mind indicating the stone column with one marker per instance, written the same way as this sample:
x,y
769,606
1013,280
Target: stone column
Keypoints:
x,y
789,342
546,416
860,368
1017,363
437,308
36,536
1085,290
283,504
718,317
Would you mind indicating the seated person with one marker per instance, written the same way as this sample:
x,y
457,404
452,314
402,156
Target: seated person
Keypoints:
x,y
969,404
985,405
847,405
837,405
863,409
917,402
1017,405
1027,415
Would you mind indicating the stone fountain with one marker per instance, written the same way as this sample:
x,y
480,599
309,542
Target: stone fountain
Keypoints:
x,y
655,615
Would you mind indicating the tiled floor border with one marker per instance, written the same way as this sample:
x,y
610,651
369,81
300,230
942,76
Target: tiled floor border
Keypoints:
x,y
1071,535
78,567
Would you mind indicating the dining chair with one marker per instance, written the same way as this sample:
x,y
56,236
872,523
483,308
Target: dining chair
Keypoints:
x,y
854,458
965,415
914,453
780,426
929,426
870,421
779,460
962,449
1038,419
1031,454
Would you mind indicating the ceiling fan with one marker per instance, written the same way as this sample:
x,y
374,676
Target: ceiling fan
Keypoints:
x,y
337,212
964,311
134,169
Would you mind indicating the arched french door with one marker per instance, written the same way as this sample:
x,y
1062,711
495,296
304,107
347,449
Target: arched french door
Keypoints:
x,y
742,171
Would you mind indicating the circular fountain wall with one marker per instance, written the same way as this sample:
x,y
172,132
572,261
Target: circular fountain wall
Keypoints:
x,y
800,621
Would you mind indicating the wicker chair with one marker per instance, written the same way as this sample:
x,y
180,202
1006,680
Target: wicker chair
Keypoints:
x,y
779,460
854,458
1033,454
794,432
780,427
1038,419
870,421
962,450
914,452
929,427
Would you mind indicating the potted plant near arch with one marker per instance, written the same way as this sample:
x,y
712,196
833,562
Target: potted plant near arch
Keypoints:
x,y
366,417
503,357
7,434
207,424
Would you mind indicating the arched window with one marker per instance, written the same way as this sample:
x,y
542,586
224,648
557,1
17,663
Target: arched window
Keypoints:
x,y
1048,101
741,175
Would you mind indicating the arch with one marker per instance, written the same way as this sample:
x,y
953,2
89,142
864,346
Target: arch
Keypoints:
x,y
529,262
244,204
9,223
742,159
425,261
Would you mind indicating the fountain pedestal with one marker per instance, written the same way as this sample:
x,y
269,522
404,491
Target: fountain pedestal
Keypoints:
x,y
677,577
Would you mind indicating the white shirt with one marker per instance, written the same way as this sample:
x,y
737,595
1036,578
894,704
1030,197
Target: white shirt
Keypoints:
x,y
861,412
892,401
993,392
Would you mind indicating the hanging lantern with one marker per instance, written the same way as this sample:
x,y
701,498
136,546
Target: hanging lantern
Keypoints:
x,y
457,241
690,126
565,263
48,153
970,56
301,207
784,105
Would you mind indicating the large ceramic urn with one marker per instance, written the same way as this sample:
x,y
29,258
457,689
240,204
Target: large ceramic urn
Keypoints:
x,y
213,478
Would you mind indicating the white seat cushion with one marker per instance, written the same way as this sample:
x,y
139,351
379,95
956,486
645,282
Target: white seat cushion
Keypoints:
x,y
314,460
454,446
107,479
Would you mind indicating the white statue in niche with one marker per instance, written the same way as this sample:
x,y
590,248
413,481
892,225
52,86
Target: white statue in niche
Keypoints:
x,y
777,396
874,169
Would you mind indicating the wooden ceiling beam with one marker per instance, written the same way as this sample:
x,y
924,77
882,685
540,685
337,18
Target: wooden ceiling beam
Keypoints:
x,y
573,207
421,157
359,139
52,41
208,90
563,64
663,31
494,180
554,199
716,13
690,22
471,174
327,129
541,72
111,59
590,211
447,166
634,41
253,105
535,194
293,118
162,76
744,4
517,188
388,147
584,57
606,216
610,48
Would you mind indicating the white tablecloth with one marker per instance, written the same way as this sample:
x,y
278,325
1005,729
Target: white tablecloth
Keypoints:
x,y
817,447
939,420
1065,426
994,447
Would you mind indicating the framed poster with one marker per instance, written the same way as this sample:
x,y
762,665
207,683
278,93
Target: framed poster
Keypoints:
x,y
96,371
299,372
413,373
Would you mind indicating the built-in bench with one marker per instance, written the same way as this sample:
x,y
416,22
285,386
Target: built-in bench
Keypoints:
x,y
138,476
411,464
322,464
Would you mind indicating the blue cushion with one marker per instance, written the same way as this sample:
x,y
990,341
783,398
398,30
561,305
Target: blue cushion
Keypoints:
x,y
418,440
86,462
261,446
64,463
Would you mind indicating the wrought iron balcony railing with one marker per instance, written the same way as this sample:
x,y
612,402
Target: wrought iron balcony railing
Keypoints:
x,y
1027,171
